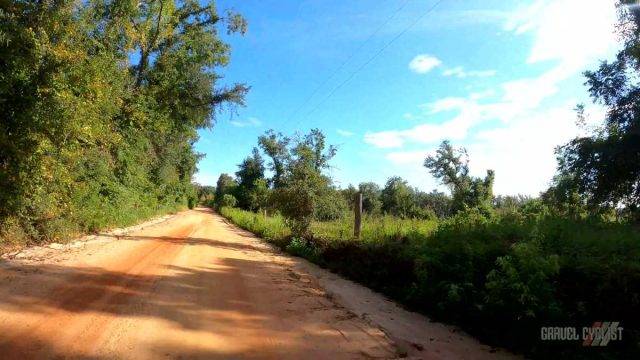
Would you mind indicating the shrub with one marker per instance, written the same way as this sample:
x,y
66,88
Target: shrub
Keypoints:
x,y
228,200
521,282
521,271
330,206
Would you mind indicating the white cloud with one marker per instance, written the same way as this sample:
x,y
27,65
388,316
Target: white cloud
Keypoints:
x,y
460,72
407,157
384,139
573,35
574,32
455,129
424,63
249,122
344,133
521,152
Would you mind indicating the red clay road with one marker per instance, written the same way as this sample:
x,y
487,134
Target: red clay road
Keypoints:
x,y
190,287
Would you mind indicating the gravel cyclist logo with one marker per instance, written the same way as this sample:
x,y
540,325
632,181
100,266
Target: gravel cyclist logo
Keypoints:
x,y
601,333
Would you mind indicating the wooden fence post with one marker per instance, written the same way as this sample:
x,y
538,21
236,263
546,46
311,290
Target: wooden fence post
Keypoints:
x,y
357,225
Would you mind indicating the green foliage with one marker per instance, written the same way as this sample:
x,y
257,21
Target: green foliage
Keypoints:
x,y
437,202
521,282
297,200
451,166
399,199
225,185
89,139
259,195
206,194
371,203
303,248
605,166
521,270
330,205
301,191
276,146
228,200
271,228
249,175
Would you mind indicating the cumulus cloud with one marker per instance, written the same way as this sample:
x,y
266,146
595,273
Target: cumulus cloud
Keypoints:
x,y
460,72
521,151
520,147
518,97
574,32
424,63
249,122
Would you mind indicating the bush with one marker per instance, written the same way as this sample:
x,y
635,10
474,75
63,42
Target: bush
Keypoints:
x,y
228,200
303,248
521,271
270,228
330,206
521,282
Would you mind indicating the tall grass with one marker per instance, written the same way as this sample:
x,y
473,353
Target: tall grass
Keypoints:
x,y
376,228
271,228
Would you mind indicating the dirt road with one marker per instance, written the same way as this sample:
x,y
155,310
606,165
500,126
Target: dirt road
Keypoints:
x,y
196,287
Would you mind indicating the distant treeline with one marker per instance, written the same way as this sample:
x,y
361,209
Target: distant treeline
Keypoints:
x,y
100,103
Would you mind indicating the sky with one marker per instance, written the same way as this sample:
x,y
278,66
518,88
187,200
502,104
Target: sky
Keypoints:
x,y
388,80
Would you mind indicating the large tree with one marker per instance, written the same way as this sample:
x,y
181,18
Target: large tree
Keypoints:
x,y
249,174
226,185
101,101
451,167
276,146
371,202
397,197
301,189
605,166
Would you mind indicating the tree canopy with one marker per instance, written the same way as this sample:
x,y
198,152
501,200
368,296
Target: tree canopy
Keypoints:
x,y
451,167
101,100
605,166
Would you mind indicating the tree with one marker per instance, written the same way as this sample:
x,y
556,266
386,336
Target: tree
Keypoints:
x,y
275,145
250,171
605,166
225,185
301,185
371,202
259,195
451,167
349,195
228,200
206,194
330,205
397,197
101,103
312,149
436,201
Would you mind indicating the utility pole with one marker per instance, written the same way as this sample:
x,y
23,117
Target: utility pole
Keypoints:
x,y
357,208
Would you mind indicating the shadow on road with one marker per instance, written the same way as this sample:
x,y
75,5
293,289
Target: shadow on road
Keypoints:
x,y
198,299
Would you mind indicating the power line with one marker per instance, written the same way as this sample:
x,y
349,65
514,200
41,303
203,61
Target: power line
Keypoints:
x,y
353,54
375,56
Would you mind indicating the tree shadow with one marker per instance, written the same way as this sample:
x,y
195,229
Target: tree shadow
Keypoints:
x,y
193,299
197,241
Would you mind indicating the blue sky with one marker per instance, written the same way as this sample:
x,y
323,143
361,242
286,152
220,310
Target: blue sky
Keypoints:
x,y
499,77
